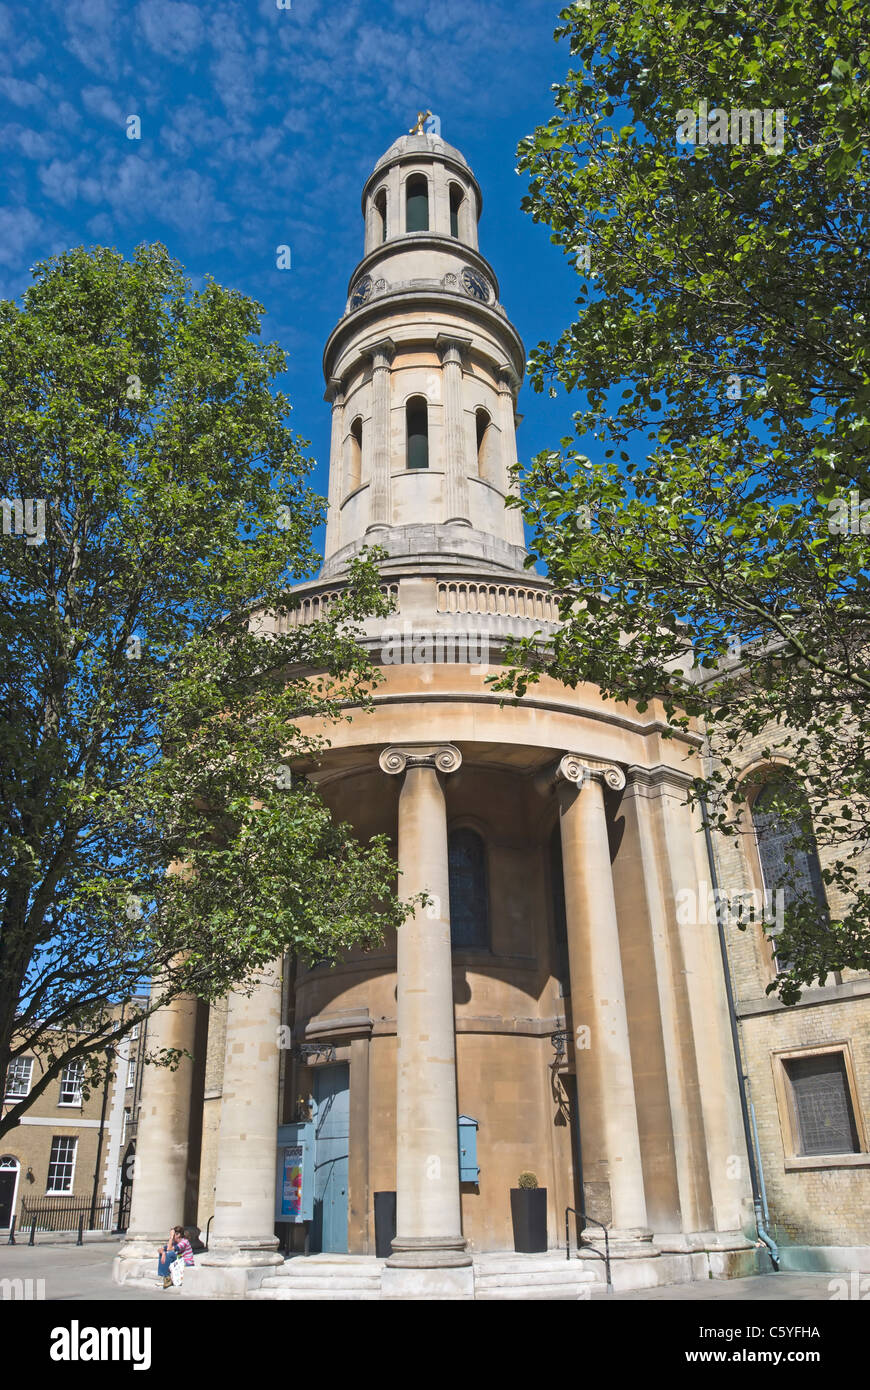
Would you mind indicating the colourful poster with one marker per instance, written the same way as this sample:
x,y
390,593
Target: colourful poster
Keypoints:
x,y
291,1182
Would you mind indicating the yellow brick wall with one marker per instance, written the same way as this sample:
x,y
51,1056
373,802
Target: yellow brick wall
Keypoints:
x,y
828,1204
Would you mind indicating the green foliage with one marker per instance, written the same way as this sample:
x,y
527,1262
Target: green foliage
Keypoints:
x,y
527,1180
153,682
712,564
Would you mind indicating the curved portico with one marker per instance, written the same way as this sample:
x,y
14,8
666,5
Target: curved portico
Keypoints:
x,y
546,988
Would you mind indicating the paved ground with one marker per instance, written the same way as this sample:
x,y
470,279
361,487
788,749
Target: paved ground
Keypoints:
x,y
73,1273
760,1288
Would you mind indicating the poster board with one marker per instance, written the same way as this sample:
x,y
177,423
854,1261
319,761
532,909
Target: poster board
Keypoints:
x,y
294,1189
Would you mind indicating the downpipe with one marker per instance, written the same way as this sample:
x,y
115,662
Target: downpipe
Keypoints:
x,y
750,1131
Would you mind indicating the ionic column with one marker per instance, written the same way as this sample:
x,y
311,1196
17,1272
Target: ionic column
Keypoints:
x,y
243,1244
609,1137
688,868
335,394
455,463
381,355
162,1139
507,386
429,1254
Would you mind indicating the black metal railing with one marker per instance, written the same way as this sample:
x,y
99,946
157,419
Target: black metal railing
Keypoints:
x,y
58,1214
587,1244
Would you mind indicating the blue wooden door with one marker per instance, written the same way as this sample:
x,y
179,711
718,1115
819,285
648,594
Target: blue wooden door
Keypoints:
x,y
331,1136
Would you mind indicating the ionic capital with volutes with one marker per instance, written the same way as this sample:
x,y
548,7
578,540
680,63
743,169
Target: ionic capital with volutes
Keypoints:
x,y
441,757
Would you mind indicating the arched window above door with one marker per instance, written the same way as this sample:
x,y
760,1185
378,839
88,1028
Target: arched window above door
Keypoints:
x,y
469,890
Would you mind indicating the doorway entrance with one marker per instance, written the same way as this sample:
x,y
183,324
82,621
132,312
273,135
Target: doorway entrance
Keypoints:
x,y
9,1170
331,1091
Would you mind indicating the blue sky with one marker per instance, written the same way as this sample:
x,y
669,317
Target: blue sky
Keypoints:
x,y
259,126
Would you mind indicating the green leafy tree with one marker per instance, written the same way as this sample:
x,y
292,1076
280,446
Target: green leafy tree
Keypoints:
x,y
153,679
713,558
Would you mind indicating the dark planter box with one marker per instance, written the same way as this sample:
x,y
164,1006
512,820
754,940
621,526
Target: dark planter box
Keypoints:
x,y
385,1223
529,1215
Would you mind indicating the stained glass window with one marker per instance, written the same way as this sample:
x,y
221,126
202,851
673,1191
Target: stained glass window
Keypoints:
x,y
823,1106
779,815
560,923
469,893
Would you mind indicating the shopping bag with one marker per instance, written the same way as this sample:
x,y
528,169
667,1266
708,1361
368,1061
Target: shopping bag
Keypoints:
x,y
176,1271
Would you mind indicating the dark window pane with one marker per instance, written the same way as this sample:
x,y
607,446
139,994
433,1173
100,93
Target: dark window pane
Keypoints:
x,y
469,896
560,921
820,1088
417,219
784,863
455,205
418,434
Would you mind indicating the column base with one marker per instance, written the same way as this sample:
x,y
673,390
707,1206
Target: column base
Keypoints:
x,y
625,1243
136,1260
429,1252
717,1254
232,1267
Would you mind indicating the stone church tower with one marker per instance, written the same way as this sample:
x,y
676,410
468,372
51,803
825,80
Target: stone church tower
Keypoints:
x,y
550,994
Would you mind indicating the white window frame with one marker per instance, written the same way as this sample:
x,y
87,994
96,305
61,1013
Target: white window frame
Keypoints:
x,y
19,1094
73,1141
77,1065
131,1071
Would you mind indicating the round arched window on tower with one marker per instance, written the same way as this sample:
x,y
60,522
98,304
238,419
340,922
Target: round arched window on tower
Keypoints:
x,y
417,418
417,204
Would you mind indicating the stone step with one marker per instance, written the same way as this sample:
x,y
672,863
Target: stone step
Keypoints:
x,y
322,1281
568,1292
486,1278
290,1293
529,1264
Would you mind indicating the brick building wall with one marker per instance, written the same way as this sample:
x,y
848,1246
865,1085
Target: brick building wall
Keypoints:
x,y
824,1200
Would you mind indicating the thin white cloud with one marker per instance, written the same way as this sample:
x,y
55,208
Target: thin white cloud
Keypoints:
x,y
171,28
20,233
21,93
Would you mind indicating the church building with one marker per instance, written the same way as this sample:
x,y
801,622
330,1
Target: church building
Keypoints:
x,y
551,1010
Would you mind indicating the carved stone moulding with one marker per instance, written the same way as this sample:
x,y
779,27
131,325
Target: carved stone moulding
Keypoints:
x,y
443,757
577,768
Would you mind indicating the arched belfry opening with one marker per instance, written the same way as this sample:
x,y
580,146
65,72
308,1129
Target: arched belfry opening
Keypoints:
x,y
417,204
417,429
483,435
457,197
381,225
354,466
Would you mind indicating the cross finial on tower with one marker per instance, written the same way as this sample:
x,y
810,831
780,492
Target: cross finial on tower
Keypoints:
x,y
422,118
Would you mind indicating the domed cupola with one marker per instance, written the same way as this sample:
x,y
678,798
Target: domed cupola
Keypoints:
x,y
422,371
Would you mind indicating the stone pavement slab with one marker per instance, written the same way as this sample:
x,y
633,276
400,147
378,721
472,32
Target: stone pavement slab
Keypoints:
x,y
760,1288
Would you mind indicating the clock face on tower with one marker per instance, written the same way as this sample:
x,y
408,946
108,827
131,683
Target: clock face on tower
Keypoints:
x,y
475,284
361,292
